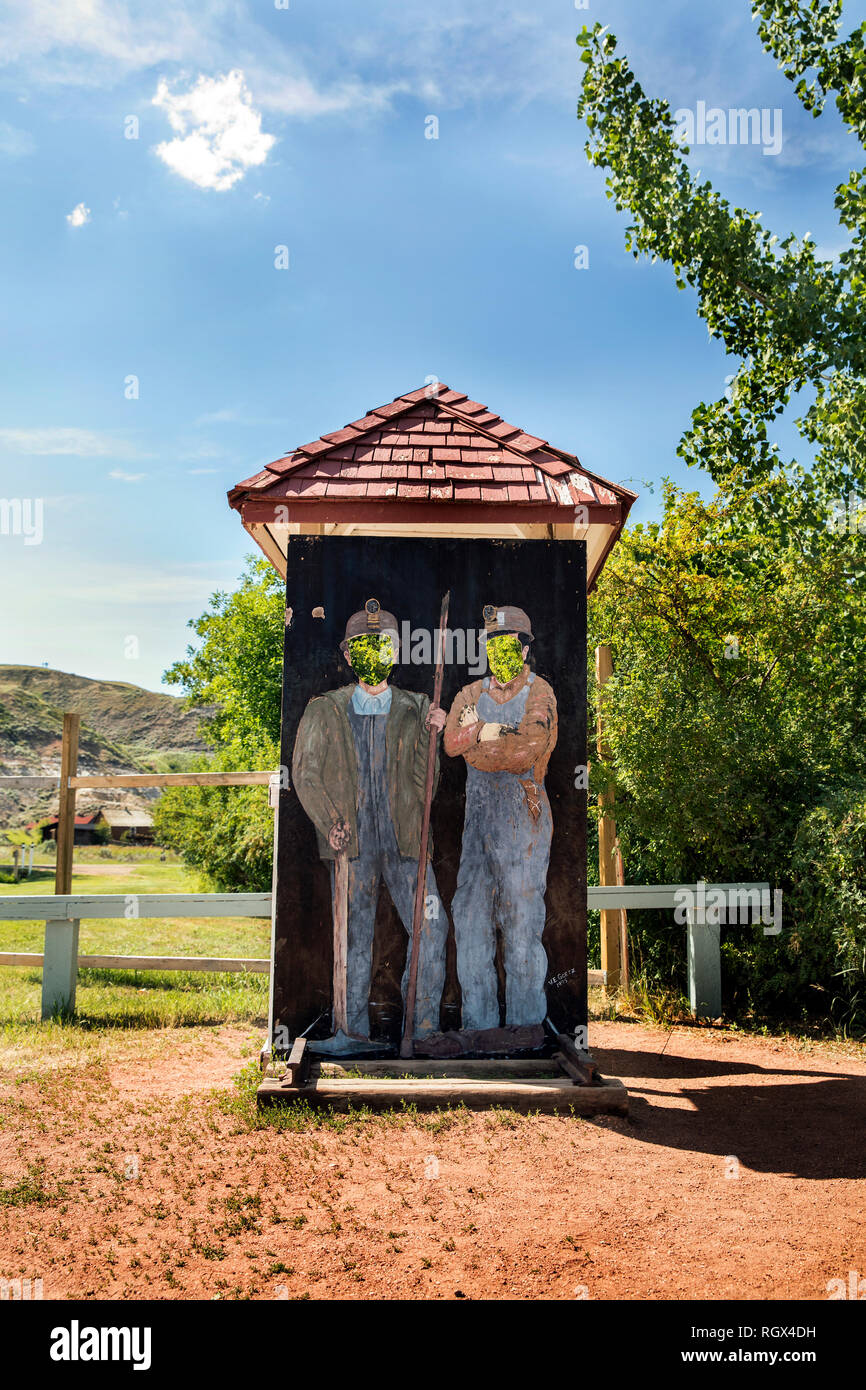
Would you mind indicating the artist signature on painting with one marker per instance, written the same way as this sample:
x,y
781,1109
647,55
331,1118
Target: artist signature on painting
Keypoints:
x,y
557,980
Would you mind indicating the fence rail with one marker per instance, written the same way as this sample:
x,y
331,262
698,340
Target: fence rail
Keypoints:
x,y
62,914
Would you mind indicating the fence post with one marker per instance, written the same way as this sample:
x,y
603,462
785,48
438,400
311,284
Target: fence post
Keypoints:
x,y
704,963
610,872
60,963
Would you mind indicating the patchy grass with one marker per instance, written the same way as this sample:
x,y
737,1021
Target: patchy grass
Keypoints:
x,y
32,1189
298,1116
127,999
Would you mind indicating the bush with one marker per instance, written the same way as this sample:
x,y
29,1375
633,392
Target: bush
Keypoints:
x,y
829,905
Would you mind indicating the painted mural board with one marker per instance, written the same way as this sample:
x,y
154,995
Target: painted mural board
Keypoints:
x,y
500,910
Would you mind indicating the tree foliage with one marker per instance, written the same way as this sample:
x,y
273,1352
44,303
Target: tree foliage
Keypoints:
x,y
234,675
794,320
736,713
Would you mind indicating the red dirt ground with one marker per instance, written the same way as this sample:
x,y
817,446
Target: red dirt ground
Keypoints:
x,y
739,1174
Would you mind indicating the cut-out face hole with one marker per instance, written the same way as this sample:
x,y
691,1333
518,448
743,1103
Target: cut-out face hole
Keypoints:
x,y
289,616
505,657
318,612
371,657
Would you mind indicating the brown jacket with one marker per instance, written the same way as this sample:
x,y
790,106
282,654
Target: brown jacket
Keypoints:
x,y
325,767
529,748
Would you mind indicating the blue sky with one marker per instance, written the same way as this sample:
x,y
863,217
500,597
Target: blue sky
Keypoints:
x,y
304,127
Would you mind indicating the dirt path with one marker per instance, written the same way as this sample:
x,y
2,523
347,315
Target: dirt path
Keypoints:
x,y
739,1174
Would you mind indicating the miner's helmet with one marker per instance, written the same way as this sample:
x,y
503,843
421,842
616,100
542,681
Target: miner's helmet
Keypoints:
x,y
371,619
506,619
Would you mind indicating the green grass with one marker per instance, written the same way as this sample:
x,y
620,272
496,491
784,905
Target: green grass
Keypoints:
x,y
31,1190
110,999
298,1116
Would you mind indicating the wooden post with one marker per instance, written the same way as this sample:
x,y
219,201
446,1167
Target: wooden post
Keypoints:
x,y
704,964
60,966
66,817
612,920
16,867
625,974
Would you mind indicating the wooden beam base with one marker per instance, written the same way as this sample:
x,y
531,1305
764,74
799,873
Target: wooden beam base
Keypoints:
x,y
529,1084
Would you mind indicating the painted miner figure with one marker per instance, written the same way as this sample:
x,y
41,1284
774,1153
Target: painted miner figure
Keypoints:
x,y
359,769
505,727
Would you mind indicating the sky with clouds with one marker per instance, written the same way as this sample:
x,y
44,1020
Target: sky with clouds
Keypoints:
x,y
155,155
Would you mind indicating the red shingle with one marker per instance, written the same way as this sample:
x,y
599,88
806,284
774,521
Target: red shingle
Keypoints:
x,y
416,490
342,436
423,393
394,470
550,465
466,471
366,422
318,446
527,442
308,487
346,489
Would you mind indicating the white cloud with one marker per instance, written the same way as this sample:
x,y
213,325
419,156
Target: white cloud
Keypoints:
x,y
219,134
78,216
217,417
55,439
15,142
122,477
198,472
96,42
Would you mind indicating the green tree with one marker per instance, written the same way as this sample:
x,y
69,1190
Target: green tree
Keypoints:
x,y
794,321
746,766
234,675
734,714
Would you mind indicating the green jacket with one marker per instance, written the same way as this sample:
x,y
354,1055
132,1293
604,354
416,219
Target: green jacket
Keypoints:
x,y
325,767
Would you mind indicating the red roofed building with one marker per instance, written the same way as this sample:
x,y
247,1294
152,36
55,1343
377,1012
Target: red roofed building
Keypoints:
x,y
87,829
432,463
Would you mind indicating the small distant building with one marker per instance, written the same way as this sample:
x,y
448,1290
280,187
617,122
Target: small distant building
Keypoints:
x,y
121,823
132,824
87,829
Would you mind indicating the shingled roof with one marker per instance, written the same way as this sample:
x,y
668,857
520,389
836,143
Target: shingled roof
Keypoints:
x,y
430,455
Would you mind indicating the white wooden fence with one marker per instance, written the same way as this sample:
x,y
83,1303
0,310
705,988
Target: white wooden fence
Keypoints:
x,y
62,914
